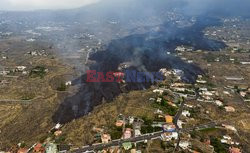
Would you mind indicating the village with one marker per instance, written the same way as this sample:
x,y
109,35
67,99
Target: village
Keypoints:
x,y
208,115
176,105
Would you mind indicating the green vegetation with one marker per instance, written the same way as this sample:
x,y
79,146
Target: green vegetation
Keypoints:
x,y
62,87
43,138
208,130
60,139
129,126
210,57
116,132
38,71
166,145
194,112
165,107
23,145
147,127
28,96
194,134
218,146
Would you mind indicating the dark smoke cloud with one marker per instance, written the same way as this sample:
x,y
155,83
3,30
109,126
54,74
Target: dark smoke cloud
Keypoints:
x,y
218,7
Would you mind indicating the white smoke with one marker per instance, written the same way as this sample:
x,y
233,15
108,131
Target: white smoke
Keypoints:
x,y
27,5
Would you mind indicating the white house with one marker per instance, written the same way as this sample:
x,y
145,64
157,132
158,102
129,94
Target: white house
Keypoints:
x,y
68,83
186,113
184,144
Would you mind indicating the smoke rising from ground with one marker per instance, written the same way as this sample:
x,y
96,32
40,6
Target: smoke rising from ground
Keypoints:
x,y
192,7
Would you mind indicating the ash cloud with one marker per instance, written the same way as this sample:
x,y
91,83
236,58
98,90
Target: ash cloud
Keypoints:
x,y
216,7
27,5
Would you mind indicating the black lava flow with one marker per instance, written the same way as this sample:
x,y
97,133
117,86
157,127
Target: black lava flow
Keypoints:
x,y
148,52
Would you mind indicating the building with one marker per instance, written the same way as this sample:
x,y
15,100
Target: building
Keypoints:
x,y
169,136
137,129
245,63
180,49
186,113
137,132
159,100
158,91
234,78
169,128
58,133
234,150
218,103
20,68
133,151
131,119
201,81
169,119
229,127
58,126
184,144
68,83
106,138
4,72
127,145
180,123
22,150
127,133
51,148
39,148
229,109
119,123
165,72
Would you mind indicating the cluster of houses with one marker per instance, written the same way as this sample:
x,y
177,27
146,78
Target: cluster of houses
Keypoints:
x,y
244,92
48,146
203,93
136,124
40,148
174,73
38,53
211,95
169,128
19,69
183,49
170,133
126,134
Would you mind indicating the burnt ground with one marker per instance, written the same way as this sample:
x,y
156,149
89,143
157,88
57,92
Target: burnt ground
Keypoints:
x,y
147,52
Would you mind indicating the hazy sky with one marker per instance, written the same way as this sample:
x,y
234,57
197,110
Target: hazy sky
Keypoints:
x,y
42,4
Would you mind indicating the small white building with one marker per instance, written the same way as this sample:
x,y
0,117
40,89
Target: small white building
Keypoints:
x,y
229,109
218,103
131,119
160,91
186,113
20,68
159,100
201,81
137,132
68,83
58,126
229,127
184,144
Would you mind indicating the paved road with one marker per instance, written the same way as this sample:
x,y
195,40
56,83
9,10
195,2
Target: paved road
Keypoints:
x,y
9,101
120,142
141,138
14,101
